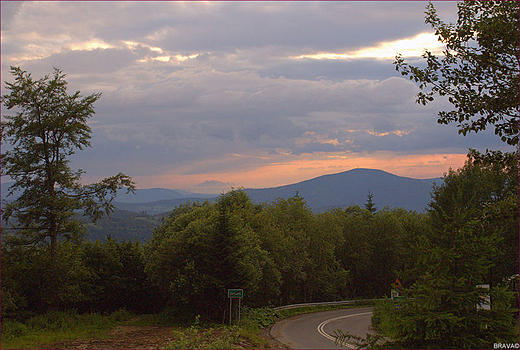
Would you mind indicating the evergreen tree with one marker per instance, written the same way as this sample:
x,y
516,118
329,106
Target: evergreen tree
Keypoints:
x,y
461,252
369,205
48,126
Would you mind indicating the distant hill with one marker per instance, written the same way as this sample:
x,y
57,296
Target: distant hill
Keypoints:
x,y
326,192
321,193
140,195
155,194
351,187
138,214
156,207
123,225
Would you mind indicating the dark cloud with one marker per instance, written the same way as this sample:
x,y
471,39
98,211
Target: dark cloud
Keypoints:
x,y
214,86
330,25
9,10
318,147
96,61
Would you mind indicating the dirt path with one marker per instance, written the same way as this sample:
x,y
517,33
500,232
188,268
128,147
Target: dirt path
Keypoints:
x,y
125,337
140,337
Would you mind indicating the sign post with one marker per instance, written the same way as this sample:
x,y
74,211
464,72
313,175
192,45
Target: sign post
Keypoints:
x,y
234,294
485,299
397,291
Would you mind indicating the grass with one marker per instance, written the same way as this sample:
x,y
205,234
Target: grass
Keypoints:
x,y
215,337
54,326
247,333
43,330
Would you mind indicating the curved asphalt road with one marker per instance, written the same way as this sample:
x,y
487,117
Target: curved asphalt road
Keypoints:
x,y
314,330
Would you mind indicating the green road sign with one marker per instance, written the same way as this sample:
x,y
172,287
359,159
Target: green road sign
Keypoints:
x,y
235,293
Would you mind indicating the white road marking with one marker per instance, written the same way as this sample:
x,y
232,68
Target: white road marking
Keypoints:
x,y
330,337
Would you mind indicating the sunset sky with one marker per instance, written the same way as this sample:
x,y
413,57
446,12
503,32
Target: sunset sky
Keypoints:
x,y
203,96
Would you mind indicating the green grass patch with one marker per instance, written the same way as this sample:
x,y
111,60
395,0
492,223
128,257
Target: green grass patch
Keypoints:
x,y
43,330
247,333
167,317
218,336
54,326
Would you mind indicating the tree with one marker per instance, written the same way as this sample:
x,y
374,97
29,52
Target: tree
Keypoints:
x,y
370,205
47,128
201,251
486,188
292,221
117,277
376,248
474,216
34,281
479,72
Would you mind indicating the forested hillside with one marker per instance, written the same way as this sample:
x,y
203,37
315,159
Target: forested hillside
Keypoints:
x,y
279,252
123,225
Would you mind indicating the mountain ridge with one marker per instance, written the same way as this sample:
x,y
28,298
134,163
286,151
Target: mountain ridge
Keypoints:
x,y
321,193
351,188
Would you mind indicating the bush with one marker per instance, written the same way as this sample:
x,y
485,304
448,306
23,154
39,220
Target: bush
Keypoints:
x,y
194,337
382,315
13,329
54,320
262,317
53,326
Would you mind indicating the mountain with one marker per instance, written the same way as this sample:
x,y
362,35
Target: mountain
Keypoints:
x,y
352,187
137,215
321,193
157,207
140,195
155,194
123,225
327,192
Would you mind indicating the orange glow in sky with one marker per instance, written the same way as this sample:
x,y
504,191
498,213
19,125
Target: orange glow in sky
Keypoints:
x,y
284,173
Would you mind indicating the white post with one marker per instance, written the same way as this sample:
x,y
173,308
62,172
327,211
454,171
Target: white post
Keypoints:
x,y
239,299
230,301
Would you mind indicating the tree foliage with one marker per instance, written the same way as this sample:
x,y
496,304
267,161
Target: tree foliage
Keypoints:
x,y
474,223
279,252
34,280
479,73
85,276
202,250
370,205
117,277
47,127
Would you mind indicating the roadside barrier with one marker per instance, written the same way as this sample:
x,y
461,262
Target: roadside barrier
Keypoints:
x,y
326,303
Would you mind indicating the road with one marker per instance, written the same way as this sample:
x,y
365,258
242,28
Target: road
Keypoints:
x,y
314,330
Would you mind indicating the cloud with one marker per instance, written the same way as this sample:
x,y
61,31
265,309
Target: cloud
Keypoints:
x,y
315,147
410,47
197,90
193,117
81,62
10,10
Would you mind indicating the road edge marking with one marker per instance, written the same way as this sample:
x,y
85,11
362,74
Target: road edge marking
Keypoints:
x,y
330,337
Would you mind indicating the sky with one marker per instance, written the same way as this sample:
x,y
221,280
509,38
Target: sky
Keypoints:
x,y
206,96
